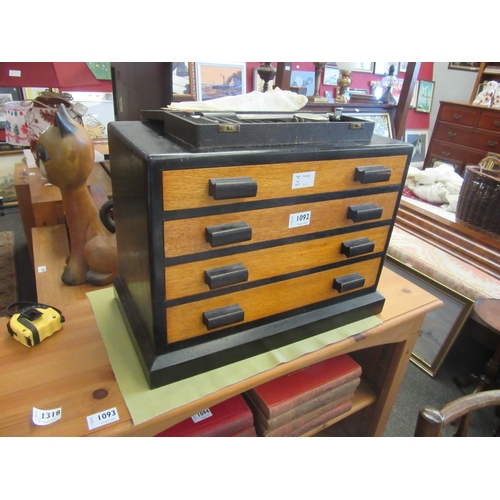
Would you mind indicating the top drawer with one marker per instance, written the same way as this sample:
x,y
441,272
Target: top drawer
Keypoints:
x,y
202,187
489,121
459,115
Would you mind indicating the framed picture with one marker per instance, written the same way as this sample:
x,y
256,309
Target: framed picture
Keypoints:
x,y
435,161
258,82
364,67
403,66
303,79
418,139
383,124
466,66
424,96
397,88
34,92
382,68
183,81
214,80
7,94
101,70
441,326
331,75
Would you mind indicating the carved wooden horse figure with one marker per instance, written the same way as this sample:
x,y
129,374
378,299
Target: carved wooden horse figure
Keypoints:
x,y
66,156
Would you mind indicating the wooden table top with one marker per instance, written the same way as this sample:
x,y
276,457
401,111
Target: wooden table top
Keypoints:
x,y
71,370
488,311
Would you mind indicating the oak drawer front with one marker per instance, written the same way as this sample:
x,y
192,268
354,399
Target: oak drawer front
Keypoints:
x,y
459,115
196,188
489,121
190,320
184,280
454,152
191,236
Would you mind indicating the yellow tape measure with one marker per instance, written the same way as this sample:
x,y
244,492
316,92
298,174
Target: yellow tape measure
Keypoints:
x,y
34,323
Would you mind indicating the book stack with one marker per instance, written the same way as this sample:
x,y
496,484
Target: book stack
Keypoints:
x,y
306,399
231,418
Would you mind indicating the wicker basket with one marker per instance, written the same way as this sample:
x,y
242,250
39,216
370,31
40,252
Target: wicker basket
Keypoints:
x,y
479,200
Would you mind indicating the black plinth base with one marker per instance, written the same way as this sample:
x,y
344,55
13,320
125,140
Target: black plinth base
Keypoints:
x,y
187,359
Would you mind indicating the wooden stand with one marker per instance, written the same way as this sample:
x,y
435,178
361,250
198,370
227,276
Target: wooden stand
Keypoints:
x,y
40,202
71,370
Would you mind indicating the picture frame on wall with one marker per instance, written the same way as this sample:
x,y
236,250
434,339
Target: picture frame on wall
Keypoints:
x,y
424,96
465,66
331,75
303,79
183,81
364,67
7,94
418,139
215,80
441,326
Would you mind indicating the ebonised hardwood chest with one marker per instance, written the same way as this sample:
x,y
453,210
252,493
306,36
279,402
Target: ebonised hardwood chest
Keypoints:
x,y
228,253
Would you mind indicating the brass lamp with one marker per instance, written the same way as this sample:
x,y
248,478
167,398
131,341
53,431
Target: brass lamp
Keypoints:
x,y
344,81
316,97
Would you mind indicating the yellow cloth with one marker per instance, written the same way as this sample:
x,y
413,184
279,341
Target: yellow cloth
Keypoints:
x,y
144,403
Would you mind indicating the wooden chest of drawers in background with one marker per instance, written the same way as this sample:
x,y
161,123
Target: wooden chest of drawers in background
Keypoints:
x,y
222,253
463,135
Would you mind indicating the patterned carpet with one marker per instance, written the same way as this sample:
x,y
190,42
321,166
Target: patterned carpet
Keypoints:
x,y
8,290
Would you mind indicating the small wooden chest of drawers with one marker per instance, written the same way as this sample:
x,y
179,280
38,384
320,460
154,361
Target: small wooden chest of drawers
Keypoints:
x,y
226,253
463,135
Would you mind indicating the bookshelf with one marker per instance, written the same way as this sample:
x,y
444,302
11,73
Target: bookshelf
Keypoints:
x,y
487,71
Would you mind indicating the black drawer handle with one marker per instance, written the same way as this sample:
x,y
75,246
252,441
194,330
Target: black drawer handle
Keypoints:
x,y
357,247
225,276
445,154
223,316
367,175
492,143
496,123
457,116
452,134
348,282
368,211
235,187
226,234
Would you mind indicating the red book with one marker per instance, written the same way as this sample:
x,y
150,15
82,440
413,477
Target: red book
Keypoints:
x,y
330,398
249,432
322,419
309,420
222,420
285,393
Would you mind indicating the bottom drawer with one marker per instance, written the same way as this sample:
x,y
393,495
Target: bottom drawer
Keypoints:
x,y
190,320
